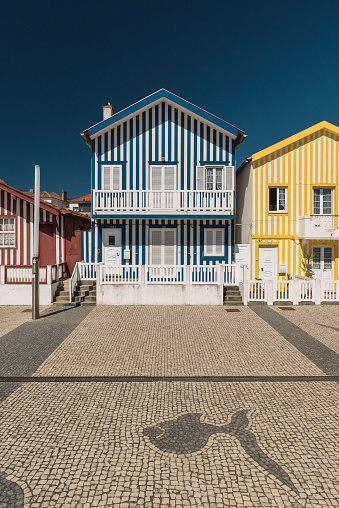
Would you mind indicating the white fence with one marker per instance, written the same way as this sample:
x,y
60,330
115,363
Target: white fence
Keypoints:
x,y
23,274
330,291
75,278
88,271
128,274
167,201
165,275
283,291
205,274
257,290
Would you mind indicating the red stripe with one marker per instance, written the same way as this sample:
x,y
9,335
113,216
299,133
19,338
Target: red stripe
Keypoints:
x,y
2,202
21,232
28,232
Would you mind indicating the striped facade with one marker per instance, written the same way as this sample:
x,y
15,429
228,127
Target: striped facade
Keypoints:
x,y
12,206
300,164
158,131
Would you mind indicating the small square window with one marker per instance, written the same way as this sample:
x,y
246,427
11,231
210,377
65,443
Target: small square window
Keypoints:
x,y
111,240
277,199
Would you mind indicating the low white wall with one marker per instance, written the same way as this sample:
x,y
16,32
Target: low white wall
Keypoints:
x,y
21,294
159,294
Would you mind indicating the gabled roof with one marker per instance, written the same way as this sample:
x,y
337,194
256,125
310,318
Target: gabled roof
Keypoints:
x,y
156,97
296,137
45,194
29,198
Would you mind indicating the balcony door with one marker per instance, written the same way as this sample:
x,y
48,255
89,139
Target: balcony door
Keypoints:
x,y
112,247
163,185
322,264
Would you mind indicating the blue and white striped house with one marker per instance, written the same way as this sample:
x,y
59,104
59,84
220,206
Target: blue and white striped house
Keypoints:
x,y
163,202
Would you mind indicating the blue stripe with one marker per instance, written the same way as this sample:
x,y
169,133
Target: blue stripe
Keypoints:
x,y
169,132
150,133
137,151
163,129
144,150
214,144
201,141
208,136
188,133
137,242
195,143
176,127
182,162
143,242
124,180
131,127
106,145
156,123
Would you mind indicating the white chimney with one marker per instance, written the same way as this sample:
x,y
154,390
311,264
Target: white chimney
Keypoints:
x,y
107,111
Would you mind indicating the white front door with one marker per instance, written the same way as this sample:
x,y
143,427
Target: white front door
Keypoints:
x,y
112,247
322,263
268,263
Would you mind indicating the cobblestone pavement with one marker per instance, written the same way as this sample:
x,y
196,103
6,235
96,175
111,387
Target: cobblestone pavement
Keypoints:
x,y
171,444
12,316
160,341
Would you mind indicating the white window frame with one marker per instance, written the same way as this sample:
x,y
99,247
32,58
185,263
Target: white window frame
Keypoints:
x,y
201,177
162,230
162,167
7,221
214,252
277,199
112,167
322,200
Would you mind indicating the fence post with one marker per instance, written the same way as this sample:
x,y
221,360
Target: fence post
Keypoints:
x,y
245,284
269,294
188,274
295,292
49,274
317,297
2,274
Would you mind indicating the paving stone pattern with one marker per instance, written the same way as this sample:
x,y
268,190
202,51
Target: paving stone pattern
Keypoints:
x,y
320,321
188,341
87,445
169,444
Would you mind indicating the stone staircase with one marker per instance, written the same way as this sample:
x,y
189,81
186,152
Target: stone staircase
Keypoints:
x,y
232,295
85,293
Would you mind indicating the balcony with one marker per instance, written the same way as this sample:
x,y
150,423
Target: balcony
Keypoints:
x,y
163,202
319,227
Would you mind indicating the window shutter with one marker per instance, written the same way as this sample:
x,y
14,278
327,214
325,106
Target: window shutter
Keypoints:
x,y
156,247
106,178
156,177
219,247
169,178
229,178
208,242
200,184
169,258
116,178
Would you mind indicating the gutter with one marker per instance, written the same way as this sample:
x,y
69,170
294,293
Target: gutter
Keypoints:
x,y
86,137
240,138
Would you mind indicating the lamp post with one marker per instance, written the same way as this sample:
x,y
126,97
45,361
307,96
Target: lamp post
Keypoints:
x,y
35,260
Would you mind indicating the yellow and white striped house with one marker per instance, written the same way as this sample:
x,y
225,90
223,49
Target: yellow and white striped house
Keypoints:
x,y
287,206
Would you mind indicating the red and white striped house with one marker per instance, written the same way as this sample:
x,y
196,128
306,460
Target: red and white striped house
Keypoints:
x,y
60,245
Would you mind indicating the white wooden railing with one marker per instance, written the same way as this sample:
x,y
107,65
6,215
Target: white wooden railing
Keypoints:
x,y
165,274
306,290
231,274
88,271
257,290
283,291
127,274
75,278
23,275
167,201
205,274
330,291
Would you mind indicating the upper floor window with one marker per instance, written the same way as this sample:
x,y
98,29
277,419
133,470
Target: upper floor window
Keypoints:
x,y
7,232
111,178
322,201
163,177
277,199
215,178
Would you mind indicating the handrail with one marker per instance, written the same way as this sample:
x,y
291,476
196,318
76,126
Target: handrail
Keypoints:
x,y
73,281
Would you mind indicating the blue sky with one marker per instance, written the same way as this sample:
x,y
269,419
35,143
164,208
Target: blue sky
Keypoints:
x,y
269,68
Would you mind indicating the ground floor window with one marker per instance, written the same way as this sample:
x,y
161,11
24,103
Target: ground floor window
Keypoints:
x,y
214,242
163,246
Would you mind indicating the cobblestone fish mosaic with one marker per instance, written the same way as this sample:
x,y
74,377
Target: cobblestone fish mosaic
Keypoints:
x,y
187,434
11,494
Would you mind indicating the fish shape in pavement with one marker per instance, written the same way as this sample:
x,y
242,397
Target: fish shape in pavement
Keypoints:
x,y
187,434
11,493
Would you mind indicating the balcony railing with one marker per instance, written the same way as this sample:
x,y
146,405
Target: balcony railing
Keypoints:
x,y
172,201
321,227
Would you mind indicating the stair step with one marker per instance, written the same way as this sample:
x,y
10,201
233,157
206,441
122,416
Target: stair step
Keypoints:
x,y
233,303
